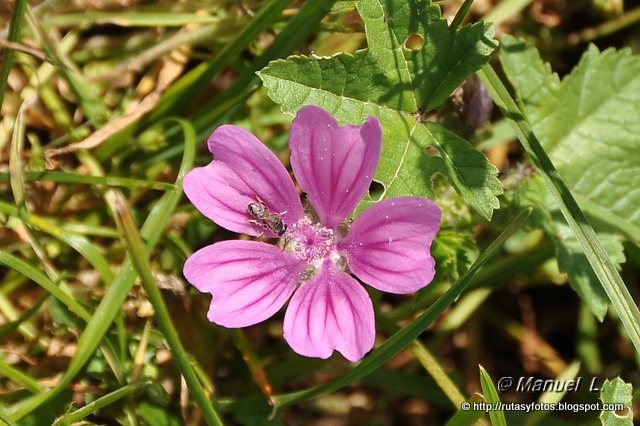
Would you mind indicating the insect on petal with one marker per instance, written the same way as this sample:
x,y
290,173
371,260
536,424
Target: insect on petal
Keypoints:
x,y
243,171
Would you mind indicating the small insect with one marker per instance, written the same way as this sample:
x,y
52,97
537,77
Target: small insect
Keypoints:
x,y
264,218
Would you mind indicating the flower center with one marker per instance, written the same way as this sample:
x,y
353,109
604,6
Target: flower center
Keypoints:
x,y
309,241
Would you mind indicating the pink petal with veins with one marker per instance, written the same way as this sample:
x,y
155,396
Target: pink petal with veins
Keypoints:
x,y
330,311
249,280
243,171
388,244
334,165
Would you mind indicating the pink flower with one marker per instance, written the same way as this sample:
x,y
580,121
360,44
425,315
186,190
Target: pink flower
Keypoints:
x,y
386,247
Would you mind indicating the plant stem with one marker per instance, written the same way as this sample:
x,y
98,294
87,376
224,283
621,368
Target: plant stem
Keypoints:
x,y
460,15
597,256
609,27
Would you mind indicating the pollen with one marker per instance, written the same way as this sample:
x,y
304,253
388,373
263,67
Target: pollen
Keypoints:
x,y
310,241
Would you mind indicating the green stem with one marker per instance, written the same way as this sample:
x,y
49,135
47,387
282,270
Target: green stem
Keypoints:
x,y
19,377
605,29
597,256
136,249
99,403
460,15
428,362
502,270
19,6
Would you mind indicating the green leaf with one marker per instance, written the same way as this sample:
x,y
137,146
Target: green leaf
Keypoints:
x,y
531,192
454,252
586,122
616,391
491,396
586,125
571,259
468,169
412,63
599,261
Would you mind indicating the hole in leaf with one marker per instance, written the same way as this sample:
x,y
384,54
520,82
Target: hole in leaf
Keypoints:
x,y
432,151
414,42
375,190
623,413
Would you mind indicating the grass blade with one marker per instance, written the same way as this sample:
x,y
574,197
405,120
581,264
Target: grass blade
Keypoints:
x,y
467,417
90,103
43,281
6,419
254,364
298,28
491,396
77,242
552,396
75,178
129,19
434,368
598,258
19,377
19,7
12,326
99,403
16,178
506,9
428,361
207,116
182,91
116,294
460,15
138,254
406,335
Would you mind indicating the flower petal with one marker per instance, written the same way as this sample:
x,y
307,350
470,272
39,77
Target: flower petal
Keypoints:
x,y
388,244
222,196
330,311
249,280
334,165
242,171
